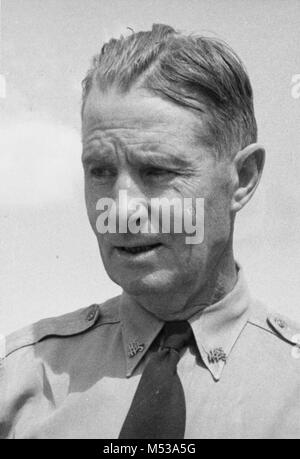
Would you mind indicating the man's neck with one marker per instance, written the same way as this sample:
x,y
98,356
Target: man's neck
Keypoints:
x,y
221,281
221,278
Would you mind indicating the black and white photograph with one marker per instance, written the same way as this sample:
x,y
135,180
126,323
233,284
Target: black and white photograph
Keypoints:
x,y
149,222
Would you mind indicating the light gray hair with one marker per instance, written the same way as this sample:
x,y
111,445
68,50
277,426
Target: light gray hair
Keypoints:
x,y
199,73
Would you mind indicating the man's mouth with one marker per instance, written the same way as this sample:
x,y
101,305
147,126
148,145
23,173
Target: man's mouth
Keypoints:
x,y
138,249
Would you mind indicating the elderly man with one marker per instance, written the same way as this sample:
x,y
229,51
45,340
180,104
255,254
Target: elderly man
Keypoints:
x,y
185,351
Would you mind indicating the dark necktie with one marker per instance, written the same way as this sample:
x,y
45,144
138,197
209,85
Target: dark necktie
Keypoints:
x,y
158,407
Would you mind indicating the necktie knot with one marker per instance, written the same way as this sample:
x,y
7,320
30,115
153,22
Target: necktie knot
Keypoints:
x,y
176,335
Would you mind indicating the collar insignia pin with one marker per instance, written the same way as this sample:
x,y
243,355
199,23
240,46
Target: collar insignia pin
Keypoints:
x,y
134,348
215,355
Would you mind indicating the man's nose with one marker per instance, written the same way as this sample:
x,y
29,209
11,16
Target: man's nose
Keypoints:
x,y
129,194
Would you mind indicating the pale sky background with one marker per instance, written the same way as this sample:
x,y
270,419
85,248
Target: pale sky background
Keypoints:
x,y
49,261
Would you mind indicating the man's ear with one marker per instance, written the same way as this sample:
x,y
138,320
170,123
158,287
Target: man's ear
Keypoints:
x,y
248,165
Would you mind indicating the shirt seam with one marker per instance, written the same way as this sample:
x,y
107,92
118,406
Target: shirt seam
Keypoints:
x,y
251,322
54,335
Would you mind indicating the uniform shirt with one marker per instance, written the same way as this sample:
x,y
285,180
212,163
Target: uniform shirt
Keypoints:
x,y
75,376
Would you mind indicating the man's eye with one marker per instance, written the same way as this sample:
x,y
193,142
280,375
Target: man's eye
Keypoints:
x,y
101,172
155,172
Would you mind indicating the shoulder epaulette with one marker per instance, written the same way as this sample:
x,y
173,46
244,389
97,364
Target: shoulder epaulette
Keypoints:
x,y
285,328
275,323
69,324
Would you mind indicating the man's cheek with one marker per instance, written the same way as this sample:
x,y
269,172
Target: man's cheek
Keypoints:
x,y
92,215
91,203
217,224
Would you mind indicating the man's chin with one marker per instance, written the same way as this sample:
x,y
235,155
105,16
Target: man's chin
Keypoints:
x,y
151,284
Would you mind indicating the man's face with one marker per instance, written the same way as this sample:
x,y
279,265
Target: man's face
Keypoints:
x,y
147,146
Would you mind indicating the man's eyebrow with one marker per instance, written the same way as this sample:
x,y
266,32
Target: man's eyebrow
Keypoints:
x,y
162,159
91,154
141,158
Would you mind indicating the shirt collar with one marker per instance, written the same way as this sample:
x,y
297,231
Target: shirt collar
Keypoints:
x,y
216,328
139,329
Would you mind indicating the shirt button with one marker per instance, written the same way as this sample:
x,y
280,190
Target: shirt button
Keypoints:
x,y
91,314
281,323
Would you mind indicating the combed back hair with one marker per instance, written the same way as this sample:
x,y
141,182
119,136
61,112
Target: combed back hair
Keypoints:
x,y
200,73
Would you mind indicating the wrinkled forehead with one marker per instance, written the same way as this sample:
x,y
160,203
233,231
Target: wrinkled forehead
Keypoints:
x,y
140,113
